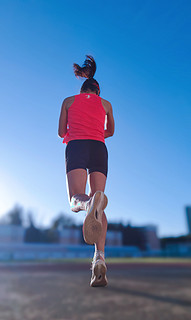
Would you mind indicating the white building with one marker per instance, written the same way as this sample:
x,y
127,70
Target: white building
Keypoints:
x,y
11,234
70,236
114,238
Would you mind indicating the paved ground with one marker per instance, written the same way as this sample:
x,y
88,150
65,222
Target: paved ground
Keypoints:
x,y
62,292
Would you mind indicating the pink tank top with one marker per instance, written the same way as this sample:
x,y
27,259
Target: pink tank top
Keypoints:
x,y
86,118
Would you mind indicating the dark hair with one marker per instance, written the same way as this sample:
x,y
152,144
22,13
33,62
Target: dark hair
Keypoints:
x,y
87,70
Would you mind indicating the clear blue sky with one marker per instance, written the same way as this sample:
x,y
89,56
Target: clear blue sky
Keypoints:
x,y
142,50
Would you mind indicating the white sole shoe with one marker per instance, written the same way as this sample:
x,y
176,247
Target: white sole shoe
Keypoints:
x,y
99,278
92,226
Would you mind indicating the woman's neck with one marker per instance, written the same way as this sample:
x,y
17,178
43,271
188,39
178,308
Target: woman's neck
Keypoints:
x,y
89,92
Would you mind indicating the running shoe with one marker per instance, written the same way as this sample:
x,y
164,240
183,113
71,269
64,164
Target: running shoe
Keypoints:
x,y
92,226
99,269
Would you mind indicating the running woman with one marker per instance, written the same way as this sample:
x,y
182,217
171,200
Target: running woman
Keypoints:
x,y
82,125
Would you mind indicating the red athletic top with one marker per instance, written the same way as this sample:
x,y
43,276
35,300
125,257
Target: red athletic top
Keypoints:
x,y
86,118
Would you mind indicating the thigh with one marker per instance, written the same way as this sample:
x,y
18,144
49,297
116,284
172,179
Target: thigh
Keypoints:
x,y
76,182
97,181
76,155
98,159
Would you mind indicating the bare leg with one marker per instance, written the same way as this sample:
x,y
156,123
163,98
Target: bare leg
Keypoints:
x,y
97,181
76,185
100,245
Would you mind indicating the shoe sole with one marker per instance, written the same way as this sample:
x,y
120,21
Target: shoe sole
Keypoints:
x,y
99,279
92,226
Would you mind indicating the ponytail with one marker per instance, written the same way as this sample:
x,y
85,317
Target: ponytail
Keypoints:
x,y
87,70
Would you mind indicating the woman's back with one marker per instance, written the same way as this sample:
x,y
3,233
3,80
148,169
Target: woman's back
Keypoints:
x,y
86,118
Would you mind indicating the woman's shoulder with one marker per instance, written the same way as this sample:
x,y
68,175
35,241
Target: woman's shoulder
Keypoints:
x,y
68,101
106,104
69,98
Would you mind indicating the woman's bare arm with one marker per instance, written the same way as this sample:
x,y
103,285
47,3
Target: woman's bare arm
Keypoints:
x,y
63,120
110,126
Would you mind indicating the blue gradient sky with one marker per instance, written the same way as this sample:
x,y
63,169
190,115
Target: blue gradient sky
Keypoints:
x,y
142,50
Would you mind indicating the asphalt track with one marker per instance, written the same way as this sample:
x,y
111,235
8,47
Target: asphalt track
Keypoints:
x,y
60,291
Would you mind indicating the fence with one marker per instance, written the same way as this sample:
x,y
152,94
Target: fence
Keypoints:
x,y
35,251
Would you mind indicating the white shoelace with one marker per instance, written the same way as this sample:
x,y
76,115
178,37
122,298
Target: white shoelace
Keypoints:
x,y
97,255
87,204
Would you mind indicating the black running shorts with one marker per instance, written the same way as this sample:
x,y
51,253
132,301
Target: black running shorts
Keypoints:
x,y
87,154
